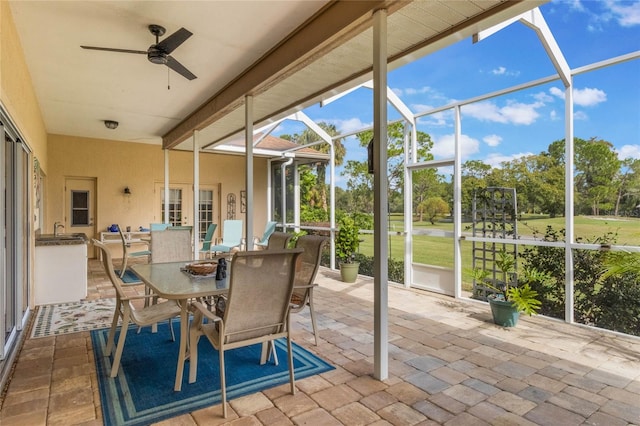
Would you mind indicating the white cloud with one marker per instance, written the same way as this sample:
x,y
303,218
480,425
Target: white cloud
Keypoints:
x,y
439,119
492,140
495,160
582,97
553,115
557,92
418,91
576,5
599,14
420,107
580,115
348,125
444,146
512,113
626,14
629,151
588,96
542,97
504,71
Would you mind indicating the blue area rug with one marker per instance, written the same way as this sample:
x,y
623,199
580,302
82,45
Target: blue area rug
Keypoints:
x,y
142,393
130,277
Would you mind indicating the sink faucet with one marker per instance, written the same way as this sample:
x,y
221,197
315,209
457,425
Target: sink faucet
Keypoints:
x,y
56,225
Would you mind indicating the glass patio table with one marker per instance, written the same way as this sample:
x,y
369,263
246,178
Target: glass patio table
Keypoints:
x,y
170,281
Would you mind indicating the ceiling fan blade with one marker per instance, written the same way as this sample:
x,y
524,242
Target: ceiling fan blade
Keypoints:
x,y
179,68
169,44
108,49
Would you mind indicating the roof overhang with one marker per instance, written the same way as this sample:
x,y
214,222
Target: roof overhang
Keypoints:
x,y
333,52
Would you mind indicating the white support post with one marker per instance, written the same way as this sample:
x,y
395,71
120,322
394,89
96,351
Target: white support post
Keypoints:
x,y
283,192
269,190
296,196
457,207
195,235
332,192
165,219
410,148
568,209
249,175
381,209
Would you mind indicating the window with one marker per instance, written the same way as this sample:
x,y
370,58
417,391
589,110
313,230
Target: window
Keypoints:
x,y
80,208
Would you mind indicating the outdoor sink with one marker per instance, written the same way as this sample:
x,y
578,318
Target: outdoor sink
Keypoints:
x,y
62,237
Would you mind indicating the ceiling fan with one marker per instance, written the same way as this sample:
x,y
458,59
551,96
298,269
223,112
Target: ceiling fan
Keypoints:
x,y
159,53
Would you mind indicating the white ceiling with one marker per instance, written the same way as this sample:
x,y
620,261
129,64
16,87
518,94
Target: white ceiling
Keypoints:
x,y
77,89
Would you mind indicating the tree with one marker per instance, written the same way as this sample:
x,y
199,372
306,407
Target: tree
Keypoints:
x,y
427,183
597,165
308,137
359,179
628,193
433,208
474,180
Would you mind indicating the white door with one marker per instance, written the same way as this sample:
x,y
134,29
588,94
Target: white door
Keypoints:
x,y
181,205
80,207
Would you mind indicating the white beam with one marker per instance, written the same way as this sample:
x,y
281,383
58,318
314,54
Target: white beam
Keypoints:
x,y
457,206
165,219
410,147
248,133
568,208
380,209
534,20
195,235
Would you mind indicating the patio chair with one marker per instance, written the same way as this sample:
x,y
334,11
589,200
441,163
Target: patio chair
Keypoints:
x,y
262,242
171,245
279,241
231,236
126,254
206,244
159,226
149,315
306,275
257,309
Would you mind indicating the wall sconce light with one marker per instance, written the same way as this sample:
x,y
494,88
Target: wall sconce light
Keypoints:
x,y
126,191
110,124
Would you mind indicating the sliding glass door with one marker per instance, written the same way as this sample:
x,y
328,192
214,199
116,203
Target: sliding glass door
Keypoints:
x,y
14,232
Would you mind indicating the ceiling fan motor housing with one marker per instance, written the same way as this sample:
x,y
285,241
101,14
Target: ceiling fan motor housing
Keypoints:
x,y
157,56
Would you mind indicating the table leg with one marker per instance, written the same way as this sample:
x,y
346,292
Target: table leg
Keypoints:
x,y
184,335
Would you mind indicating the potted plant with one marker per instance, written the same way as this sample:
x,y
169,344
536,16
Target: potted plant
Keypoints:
x,y
347,243
513,294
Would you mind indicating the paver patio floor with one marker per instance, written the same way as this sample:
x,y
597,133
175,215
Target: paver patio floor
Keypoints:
x,y
448,364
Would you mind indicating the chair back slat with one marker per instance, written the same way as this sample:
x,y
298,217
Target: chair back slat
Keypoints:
x,y
107,263
278,241
268,230
171,245
159,226
206,244
232,233
259,293
310,262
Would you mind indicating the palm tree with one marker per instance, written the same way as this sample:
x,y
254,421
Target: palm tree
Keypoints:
x,y
308,137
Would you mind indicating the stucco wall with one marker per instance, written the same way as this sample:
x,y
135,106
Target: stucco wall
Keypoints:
x,y
16,88
115,165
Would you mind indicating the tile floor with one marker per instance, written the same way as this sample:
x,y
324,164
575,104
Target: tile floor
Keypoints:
x,y
448,364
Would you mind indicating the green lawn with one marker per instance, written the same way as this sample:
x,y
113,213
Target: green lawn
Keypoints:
x,y
439,251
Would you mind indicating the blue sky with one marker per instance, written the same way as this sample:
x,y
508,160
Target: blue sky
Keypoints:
x,y
606,101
